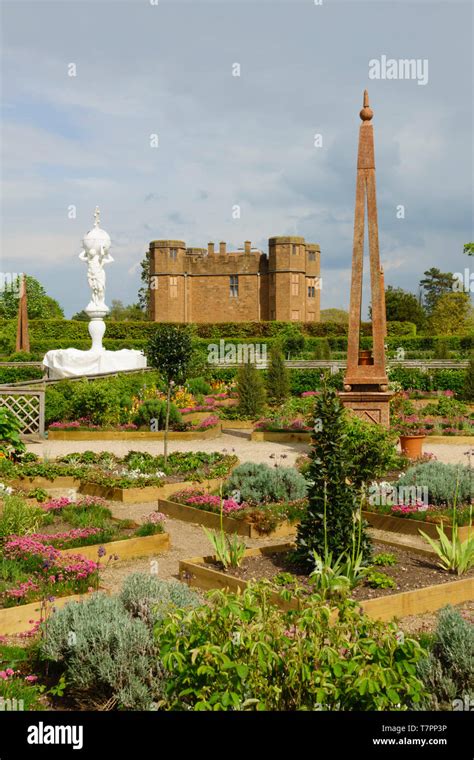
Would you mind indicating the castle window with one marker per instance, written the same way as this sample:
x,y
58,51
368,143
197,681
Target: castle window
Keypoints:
x,y
295,285
294,249
312,255
311,316
295,315
312,287
234,285
173,287
173,253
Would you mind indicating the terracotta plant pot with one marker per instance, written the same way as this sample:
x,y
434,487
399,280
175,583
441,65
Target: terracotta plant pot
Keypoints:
x,y
412,445
365,358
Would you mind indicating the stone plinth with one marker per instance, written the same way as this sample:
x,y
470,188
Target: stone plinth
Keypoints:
x,y
369,405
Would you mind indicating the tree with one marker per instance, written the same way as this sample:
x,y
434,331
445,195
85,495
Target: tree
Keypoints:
x,y
293,339
120,313
468,390
40,305
435,284
402,306
452,314
144,291
322,349
170,351
335,315
81,316
469,249
331,522
278,381
251,391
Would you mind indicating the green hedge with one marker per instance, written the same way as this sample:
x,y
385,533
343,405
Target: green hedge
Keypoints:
x,y
17,374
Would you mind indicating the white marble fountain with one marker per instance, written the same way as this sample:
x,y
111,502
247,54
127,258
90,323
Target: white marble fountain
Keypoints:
x,y
70,362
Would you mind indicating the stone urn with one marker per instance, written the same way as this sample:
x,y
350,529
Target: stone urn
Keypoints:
x,y
412,445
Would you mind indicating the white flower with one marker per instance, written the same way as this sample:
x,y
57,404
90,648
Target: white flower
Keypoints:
x,y
8,490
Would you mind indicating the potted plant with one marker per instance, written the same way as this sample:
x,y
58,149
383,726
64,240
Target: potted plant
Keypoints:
x,y
412,433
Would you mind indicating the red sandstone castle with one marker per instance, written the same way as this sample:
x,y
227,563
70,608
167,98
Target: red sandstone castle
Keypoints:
x,y
204,285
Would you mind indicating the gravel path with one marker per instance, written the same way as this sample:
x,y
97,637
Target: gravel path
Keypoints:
x,y
236,441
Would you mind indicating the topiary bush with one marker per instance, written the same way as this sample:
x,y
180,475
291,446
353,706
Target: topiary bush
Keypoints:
x,y
155,409
259,483
150,599
104,653
250,390
448,671
442,482
371,450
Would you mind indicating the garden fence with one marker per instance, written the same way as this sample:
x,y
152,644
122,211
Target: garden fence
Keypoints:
x,y
27,406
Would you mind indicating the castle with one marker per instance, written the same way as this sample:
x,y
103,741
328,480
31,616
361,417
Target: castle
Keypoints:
x,y
208,285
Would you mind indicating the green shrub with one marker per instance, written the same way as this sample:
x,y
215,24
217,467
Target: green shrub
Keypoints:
x,y
104,653
277,377
442,482
259,483
240,652
18,517
251,391
448,670
446,407
150,599
322,350
370,450
468,386
156,409
99,402
330,524
198,386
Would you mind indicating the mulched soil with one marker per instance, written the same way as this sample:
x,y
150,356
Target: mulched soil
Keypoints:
x,y
411,572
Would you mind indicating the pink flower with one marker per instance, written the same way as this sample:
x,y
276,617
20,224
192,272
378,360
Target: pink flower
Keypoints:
x,y
31,679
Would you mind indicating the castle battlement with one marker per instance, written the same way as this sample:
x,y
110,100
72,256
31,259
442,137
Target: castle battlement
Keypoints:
x,y
219,285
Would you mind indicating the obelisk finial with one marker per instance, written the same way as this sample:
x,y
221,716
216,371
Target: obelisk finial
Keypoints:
x,y
96,217
366,114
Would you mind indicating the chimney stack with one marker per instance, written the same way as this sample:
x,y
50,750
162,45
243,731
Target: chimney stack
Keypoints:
x,y
222,247
210,248
248,246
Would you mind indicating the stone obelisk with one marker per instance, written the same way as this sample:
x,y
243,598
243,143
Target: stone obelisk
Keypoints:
x,y
22,335
366,382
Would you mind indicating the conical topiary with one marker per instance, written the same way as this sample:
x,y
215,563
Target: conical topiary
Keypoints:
x,y
278,381
251,391
332,523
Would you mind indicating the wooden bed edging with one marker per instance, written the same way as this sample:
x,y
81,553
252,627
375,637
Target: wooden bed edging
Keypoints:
x,y
407,526
147,493
275,436
416,602
121,435
14,620
128,548
212,520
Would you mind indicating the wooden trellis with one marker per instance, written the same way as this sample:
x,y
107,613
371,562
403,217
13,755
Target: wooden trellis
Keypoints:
x,y
27,406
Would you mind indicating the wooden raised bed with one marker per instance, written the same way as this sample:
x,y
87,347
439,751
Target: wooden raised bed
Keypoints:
x,y
212,520
131,435
410,527
303,436
62,481
147,493
128,548
237,424
464,440
15,620
417,602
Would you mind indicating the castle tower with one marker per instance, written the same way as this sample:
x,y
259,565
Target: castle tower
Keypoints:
x,y
168,281
287,273
366,382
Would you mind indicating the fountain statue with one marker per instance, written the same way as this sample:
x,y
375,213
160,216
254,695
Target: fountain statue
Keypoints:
x,y
70,362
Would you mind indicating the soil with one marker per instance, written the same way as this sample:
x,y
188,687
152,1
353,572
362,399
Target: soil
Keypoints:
x,y
411,572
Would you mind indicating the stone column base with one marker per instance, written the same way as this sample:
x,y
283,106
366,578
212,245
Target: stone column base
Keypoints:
x,y
371,406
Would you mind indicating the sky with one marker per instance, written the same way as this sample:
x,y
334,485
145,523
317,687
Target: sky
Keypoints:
x,y
165,68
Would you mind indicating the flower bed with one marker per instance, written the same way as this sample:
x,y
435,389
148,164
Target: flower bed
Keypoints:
x,y
209,427
398,523
270,563
262,521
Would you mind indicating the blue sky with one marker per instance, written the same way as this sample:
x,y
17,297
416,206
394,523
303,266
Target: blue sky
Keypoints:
x,y
166,69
